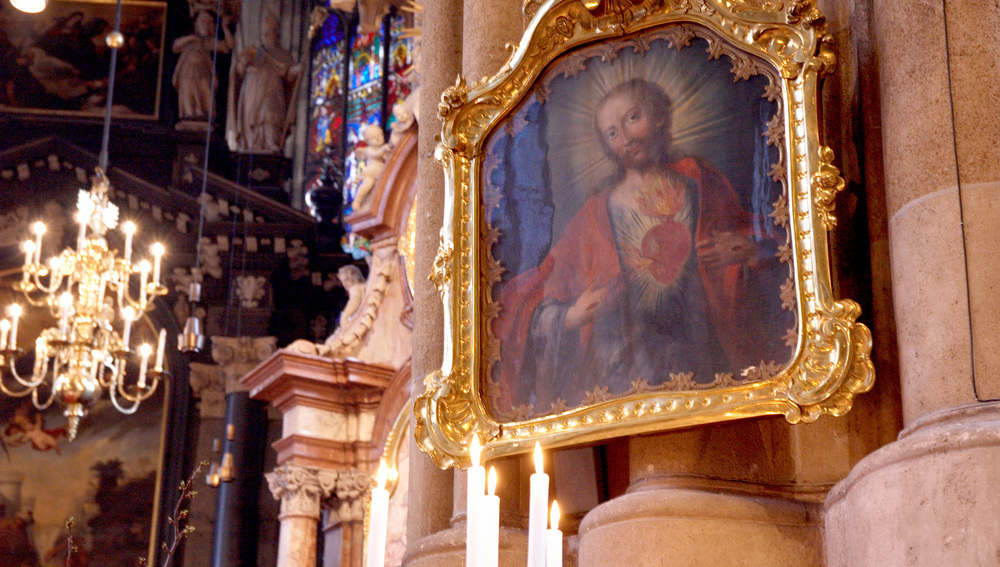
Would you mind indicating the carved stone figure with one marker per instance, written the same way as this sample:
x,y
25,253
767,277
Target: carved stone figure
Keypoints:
x,y
374,155
352,280
404,121
193,73
261,90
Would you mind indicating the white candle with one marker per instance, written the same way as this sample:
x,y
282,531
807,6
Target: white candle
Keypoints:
x,y
65,304
553,540
143,280
157,259
489,525
29,252
129,229
144,351
160,347
39,229
474,492
378,522
538,503
129,314
4,329
15,314
80,238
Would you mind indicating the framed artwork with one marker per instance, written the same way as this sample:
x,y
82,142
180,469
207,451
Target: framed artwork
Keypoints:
x,y
635,230
56,62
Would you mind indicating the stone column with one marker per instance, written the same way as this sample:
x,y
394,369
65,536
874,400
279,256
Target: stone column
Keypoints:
x,y
430,494
930,497
301,491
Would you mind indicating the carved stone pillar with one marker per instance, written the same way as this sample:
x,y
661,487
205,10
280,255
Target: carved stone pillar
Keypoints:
x,y
929,498
210,384
301,491
328,408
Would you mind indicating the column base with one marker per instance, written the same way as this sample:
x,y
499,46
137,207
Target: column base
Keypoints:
x,y
929,498
447,549
683,527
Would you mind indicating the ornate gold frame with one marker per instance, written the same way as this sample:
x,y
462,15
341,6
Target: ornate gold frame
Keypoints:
x,y
831,361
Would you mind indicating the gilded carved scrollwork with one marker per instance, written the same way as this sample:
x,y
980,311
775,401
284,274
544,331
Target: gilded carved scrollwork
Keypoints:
x,y
785,40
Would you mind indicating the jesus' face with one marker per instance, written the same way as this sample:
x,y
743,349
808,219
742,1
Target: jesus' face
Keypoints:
x,y
628,128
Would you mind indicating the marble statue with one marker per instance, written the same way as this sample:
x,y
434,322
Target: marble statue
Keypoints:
x,y
193,73
261,94
373,155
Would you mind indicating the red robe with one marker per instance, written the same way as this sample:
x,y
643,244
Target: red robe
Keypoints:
x,y
586,257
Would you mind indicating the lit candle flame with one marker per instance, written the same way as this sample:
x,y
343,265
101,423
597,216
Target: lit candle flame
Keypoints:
x,y
475,450
539,464
381,475
4,325
38,228
492,482
555,515
14,310
28,247
128,227
145,350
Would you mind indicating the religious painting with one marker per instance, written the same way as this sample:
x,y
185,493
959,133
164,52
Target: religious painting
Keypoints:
x,y
635,231
56,62
636,225
108,478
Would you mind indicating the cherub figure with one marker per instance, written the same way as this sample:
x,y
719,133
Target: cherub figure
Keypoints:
x,y
374,155
352,280
30,429
404,121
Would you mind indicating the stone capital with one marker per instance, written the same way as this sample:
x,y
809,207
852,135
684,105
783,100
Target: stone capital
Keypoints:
x,y
350,494
301,490
209,385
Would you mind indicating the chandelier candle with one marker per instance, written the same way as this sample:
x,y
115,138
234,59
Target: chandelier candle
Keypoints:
x,y
538,502
379,520
475,491
489,524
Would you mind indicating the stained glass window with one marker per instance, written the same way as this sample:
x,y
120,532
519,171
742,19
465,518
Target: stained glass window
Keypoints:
x,y
357,76
326,123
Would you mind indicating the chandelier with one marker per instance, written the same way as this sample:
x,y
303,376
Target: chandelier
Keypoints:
x,y
87,290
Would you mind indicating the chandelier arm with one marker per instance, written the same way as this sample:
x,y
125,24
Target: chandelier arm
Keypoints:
x,y
54,283
11,393
35,381
114,401
48,402
35,302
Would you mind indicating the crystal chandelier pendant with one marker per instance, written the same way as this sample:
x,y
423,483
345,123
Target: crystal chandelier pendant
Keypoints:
x,y
86,290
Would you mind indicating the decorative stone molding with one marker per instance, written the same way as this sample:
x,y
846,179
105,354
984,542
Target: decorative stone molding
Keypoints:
x,y
208,382
239,355
301,490
250,289
304,491
350,495
234,357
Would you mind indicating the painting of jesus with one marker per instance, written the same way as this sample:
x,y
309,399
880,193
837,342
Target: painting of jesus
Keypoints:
x,y
654,263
